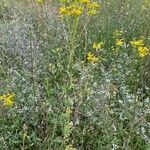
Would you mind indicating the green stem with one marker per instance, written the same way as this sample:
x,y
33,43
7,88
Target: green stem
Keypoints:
x,y
72,43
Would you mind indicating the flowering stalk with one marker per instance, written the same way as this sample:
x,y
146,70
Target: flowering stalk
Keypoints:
x,y
71,12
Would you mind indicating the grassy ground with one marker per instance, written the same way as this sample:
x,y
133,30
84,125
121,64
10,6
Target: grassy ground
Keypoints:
x,y
74,77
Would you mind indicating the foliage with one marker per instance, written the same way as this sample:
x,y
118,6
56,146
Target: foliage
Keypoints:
x,y
74,75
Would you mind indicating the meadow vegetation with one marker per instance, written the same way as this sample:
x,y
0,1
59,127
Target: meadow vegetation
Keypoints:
x,y
75,75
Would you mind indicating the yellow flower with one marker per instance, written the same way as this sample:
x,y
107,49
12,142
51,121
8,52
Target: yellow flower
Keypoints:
x,y
8,102
7,99
97,45
137,43
93,5
63,10
84,1
92,58
119,42
40,1
143,51
92,8
74,10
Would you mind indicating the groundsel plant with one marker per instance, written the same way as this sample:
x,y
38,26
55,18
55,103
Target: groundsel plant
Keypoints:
x,y
71,11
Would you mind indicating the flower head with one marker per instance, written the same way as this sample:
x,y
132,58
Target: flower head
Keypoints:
x,y
92,58
7,99
84,1
143,51
92,8
93,5
119,42
97,45
63,10
74,10
71,10
137,43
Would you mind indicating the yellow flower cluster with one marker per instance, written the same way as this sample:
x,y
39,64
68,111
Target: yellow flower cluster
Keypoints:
x,y
76,8
118,35
143,51
72,10
92,8
119,42
92,58
84,1
139,45
92,5
7,99
97,45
